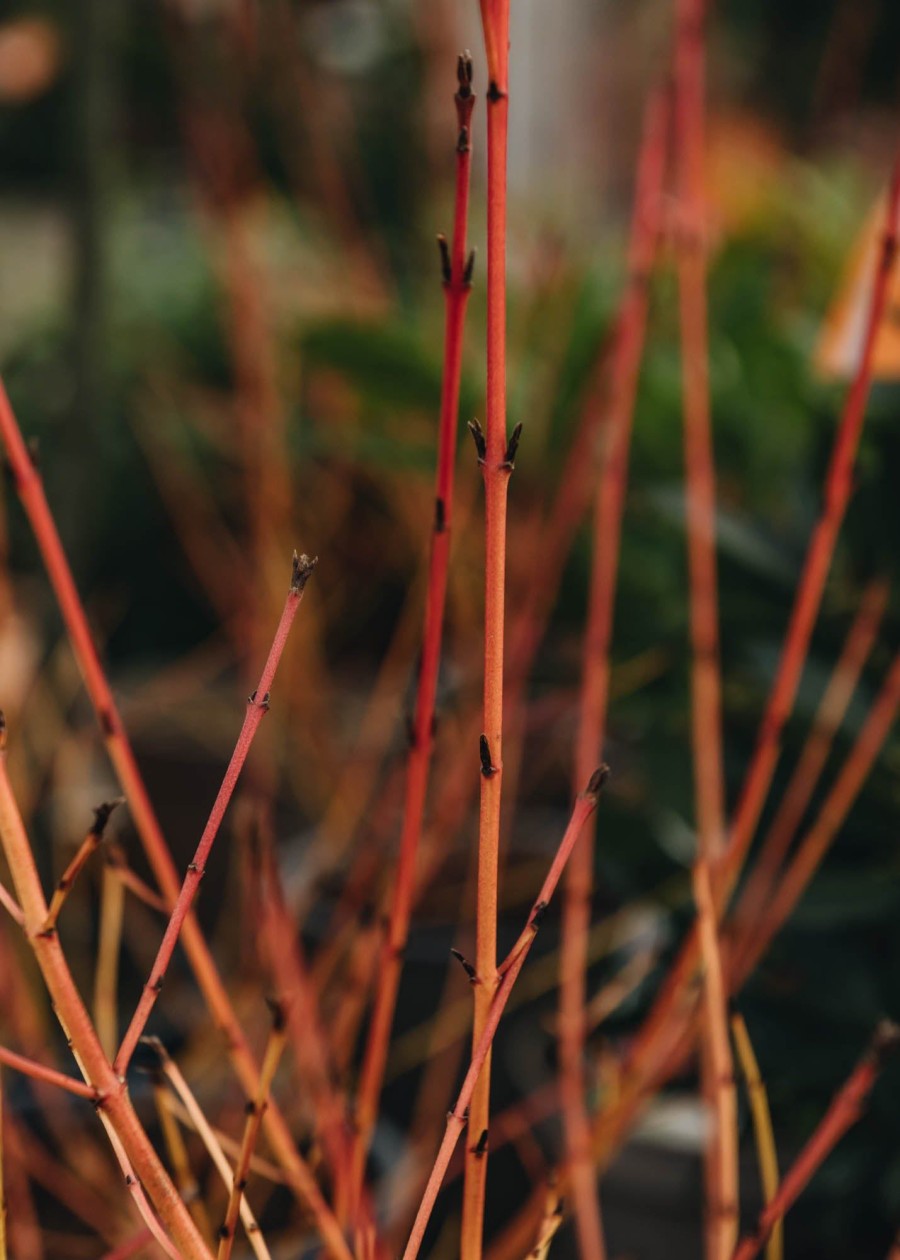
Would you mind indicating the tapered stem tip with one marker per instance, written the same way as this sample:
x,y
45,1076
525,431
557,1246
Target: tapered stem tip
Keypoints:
x,y
303,567
597,782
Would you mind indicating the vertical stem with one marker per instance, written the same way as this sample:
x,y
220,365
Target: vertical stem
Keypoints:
x,y
722,1206
496,470
3,1253
610,502
457,284
699,468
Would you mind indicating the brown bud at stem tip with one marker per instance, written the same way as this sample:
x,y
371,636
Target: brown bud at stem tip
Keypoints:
x,y
469,269
487,766
480,1147
509,459
102,814
464,74
446,268
478,438
466,965
303,567
597,782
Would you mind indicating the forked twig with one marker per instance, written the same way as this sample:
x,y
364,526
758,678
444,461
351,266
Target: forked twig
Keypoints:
x,y
506,976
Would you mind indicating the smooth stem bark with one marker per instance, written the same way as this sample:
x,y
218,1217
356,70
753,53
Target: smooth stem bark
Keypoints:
x,y
506,976
837,491
496,469
457,285
609,508
722,1208
833,706
112,1097
845,1110
257,707
31,493
700,506
643,1056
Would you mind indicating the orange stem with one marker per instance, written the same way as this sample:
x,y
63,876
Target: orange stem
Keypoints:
x,y
496,460
626,358
500,985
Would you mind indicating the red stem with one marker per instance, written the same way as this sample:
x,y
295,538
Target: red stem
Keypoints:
x,y
500,987
844,1112
838,487
40,1072
121,754
762,879
457,286
257,706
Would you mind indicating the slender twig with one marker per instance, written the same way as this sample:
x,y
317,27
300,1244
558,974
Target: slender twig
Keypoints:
x,y
860,640
845,1110
550,1223
255,1110
88,846
178,1157
838,488
644,1055
40,1072
136,1190
130,1247
766,1151
496,458
31,493
506,975
113,1104
623,378
815,844
283,953
106,972
722,1210
11,906
176,1079
456,265
117,864
257,707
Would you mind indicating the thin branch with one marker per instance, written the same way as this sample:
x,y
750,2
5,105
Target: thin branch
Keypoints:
x,y
87,848
257,707
837,696
506,976
175,1078
31,493
845,1110
595,678
40,1072
255,1109
496,462
766,1150
114,1107
722,1210
457,286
